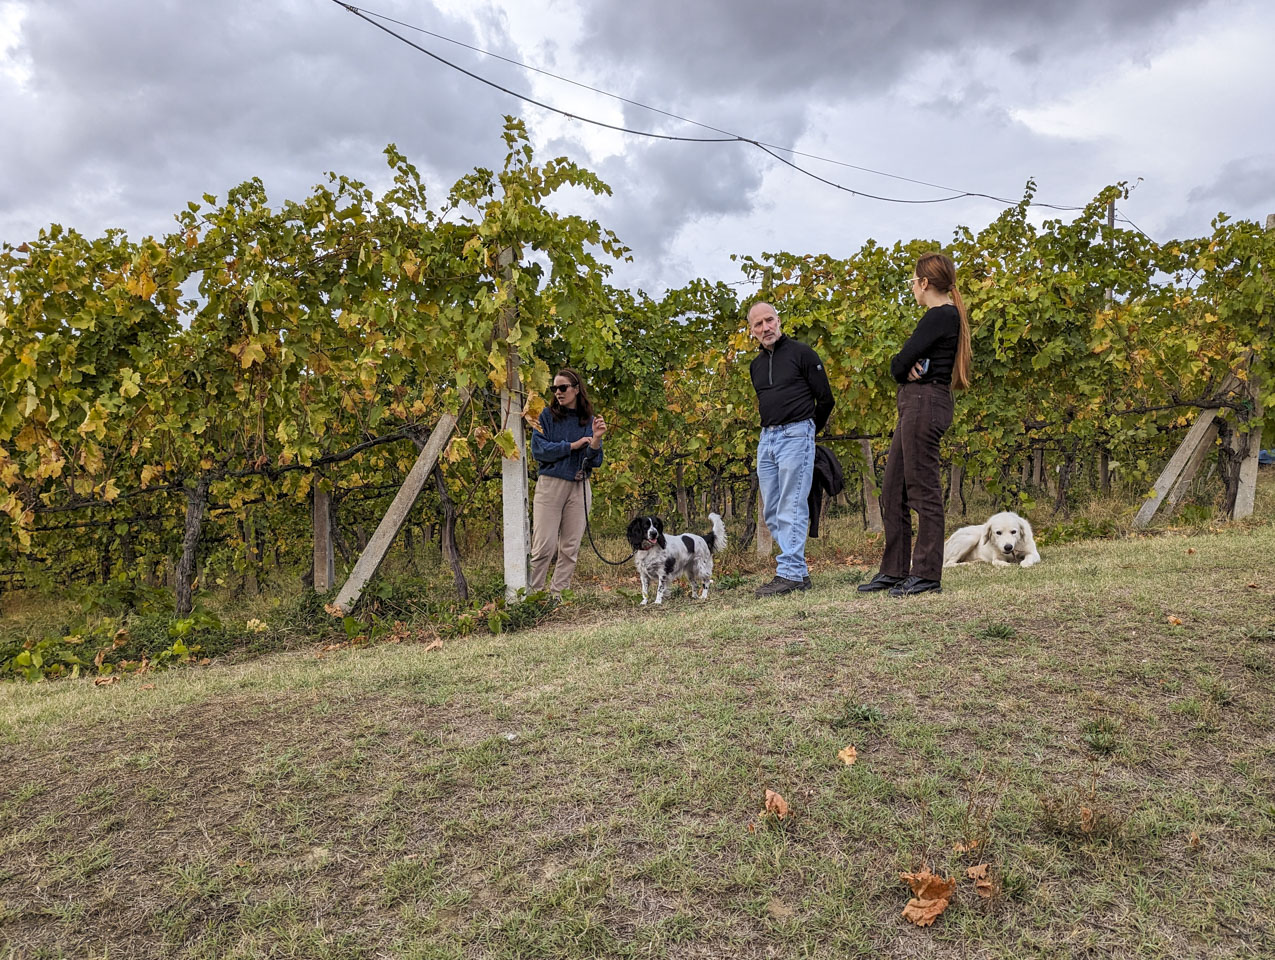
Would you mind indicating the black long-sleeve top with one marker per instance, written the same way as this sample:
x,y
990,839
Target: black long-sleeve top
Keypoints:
x,y
791,384
936,337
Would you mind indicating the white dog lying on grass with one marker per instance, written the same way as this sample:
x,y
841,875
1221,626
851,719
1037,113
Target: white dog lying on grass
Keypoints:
x,y
1003,541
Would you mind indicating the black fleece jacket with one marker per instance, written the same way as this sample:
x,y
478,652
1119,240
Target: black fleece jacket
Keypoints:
x,y
935,336
791,384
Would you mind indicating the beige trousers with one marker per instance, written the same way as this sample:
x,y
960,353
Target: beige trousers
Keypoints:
x,y
558,516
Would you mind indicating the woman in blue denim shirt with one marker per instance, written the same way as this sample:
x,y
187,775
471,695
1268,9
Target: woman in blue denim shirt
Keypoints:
x,y
567,446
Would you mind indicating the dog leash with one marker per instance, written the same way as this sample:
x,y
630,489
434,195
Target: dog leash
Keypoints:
x,y
588,528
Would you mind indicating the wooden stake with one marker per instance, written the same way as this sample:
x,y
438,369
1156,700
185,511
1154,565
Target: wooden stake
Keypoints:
x,y
765,542
379,545
324,563
871,502
1183,483
1195,436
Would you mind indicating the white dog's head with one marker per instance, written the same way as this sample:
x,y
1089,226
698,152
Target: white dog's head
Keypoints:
x,y
1004,531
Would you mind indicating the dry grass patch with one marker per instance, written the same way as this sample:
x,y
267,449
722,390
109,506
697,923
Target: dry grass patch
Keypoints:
x,y
595,788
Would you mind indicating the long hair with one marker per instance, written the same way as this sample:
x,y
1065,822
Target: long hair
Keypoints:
x,y
584,407
940,271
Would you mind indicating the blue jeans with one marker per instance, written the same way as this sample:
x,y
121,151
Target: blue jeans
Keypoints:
x,y
785,467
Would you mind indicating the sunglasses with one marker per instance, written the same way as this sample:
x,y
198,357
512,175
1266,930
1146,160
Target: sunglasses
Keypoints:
x,y
562,387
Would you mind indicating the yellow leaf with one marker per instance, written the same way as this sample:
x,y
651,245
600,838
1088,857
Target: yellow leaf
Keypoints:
x,y
532,409
457,450
849,755
141,285
249,352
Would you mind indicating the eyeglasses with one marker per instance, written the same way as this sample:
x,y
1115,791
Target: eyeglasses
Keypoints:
x,y
913,281
562,387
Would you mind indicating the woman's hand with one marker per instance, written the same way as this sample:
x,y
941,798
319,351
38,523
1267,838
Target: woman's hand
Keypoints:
x,y
599,431
579,444
917,371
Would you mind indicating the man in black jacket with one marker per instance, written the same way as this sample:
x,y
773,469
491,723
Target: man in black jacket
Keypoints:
x,y
795,401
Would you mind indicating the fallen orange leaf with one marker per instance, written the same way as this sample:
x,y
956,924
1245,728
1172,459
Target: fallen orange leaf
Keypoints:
x,y
105,681
148,686
1252,586
923,912
1176,621
436,645
849,755
929,886
931,895
966,847
1190,549
776,804
1193,843
983,884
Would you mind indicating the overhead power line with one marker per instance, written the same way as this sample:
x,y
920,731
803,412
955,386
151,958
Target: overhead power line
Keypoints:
x,y
727,137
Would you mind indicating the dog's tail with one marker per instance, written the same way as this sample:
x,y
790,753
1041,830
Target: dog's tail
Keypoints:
x,y
717,539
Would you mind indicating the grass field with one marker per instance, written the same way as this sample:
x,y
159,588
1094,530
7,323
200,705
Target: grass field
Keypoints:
x,y
1102,726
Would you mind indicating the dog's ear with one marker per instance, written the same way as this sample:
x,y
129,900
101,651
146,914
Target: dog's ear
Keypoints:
x,y
637,527
987,533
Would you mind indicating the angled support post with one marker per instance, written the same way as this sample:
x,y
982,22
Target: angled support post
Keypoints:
x,y
1196,436
379,545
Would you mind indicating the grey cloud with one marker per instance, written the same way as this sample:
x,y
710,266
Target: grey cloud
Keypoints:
x,y
847,50
139,107
1242,187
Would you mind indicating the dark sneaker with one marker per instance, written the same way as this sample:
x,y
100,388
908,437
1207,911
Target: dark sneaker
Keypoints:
x,y
805,582
779,585
914,585
882,581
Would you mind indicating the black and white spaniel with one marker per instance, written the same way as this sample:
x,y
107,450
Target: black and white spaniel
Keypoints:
x,y
667,558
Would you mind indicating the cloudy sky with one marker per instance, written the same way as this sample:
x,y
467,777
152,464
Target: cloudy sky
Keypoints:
x,y
115,114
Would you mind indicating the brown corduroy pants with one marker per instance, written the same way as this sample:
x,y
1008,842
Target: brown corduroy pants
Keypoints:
x,y
558,515
912,482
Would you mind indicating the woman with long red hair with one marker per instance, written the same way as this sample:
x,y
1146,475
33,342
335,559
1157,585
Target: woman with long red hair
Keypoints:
x,y
933,362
